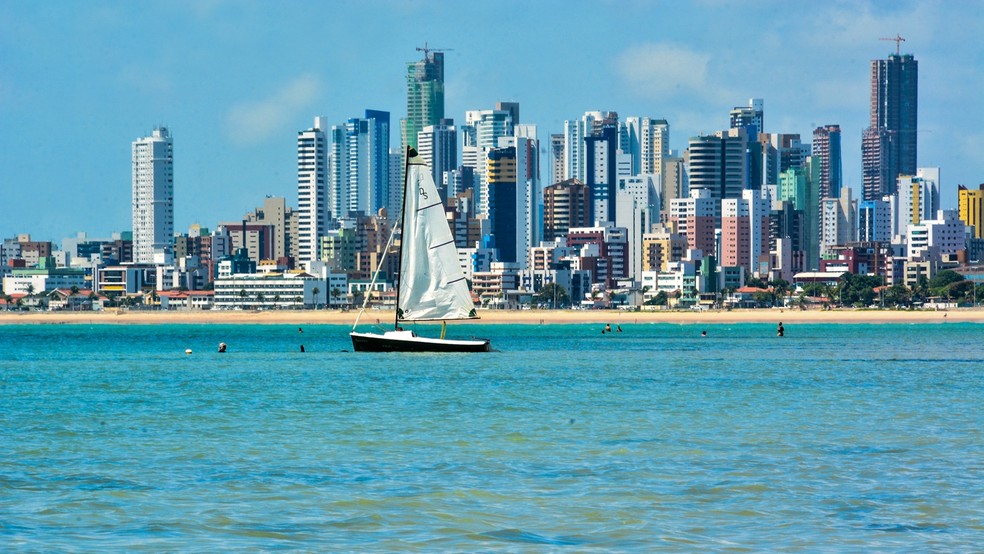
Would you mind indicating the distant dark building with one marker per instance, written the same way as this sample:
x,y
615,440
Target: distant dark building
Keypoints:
x,y
889,143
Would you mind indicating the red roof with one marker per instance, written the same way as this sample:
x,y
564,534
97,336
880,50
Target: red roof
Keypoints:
x,y
752,290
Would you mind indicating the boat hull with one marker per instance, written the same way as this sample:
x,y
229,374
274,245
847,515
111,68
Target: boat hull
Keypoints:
x,y
406,341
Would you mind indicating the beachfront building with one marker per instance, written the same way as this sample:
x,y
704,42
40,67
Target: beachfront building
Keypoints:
x,y
153,198
44,277
268,291
186,300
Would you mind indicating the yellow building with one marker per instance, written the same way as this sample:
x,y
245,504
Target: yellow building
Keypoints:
x,y
972,208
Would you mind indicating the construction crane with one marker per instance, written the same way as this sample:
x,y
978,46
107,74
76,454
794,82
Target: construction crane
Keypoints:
x,y
427,50
897,39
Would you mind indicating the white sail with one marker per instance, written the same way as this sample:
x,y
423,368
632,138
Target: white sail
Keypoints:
x,y
432,285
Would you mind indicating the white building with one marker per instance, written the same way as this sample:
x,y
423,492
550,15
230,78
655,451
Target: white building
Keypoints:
x,y
937,237
647,142
838,221
312,189
270,291
636,209
919,196
153,198
438,146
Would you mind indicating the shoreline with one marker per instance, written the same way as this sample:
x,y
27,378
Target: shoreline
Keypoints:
x,y
529,317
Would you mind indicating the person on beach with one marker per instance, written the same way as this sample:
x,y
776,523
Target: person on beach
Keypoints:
x,y
780,331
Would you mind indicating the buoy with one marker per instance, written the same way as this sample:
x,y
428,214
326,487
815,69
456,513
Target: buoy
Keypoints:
x,y
188,351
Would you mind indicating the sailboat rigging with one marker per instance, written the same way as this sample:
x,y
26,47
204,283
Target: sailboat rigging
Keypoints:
x,y
431,285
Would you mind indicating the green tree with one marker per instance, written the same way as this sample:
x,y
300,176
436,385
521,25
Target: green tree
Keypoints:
x,y
661,298
74,290
242,297
553,295
335,294
316,292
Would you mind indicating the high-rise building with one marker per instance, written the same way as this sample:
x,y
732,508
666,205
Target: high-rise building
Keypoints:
x,y
838,222
800,185
971,208
751,117
919,196
827,149
647,142
601,175
875,221
508,204
312,189
745,230
575,131
889,143
425,96
566,204
717,163
438,146
696,218
153,198
366,156
556,158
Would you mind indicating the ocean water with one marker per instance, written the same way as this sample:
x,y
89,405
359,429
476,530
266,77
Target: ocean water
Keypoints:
x,y
833,438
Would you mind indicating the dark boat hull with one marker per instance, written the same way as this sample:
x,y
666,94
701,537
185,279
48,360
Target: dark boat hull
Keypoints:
x,y
405,341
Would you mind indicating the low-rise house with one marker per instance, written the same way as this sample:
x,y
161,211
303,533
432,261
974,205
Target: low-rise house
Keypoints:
x,y
186,299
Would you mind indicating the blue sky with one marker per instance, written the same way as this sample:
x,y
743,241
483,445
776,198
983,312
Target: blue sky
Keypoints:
x,y
235,80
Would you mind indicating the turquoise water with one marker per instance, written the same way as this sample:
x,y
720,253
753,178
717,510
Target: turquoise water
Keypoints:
x,y
834,438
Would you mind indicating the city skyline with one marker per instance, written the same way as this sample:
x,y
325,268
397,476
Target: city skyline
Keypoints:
x,y
234,109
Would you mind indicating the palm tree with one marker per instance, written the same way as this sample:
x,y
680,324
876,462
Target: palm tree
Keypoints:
x,y
276,300
335,293
260,298
242,297
316,292
30,291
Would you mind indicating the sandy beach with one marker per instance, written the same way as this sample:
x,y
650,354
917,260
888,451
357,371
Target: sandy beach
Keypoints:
x,y
289,317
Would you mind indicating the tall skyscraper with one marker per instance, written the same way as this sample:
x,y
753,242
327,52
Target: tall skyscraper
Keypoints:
x,y
889,143
153,198
312,189
425,96
827,149
971,208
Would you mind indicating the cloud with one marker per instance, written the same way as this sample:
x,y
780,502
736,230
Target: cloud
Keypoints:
x,y
251,122
659,71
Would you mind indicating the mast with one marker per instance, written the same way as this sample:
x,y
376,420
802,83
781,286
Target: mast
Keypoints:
x,y
403,225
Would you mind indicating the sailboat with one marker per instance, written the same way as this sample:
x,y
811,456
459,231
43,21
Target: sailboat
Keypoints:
x,y
431,285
